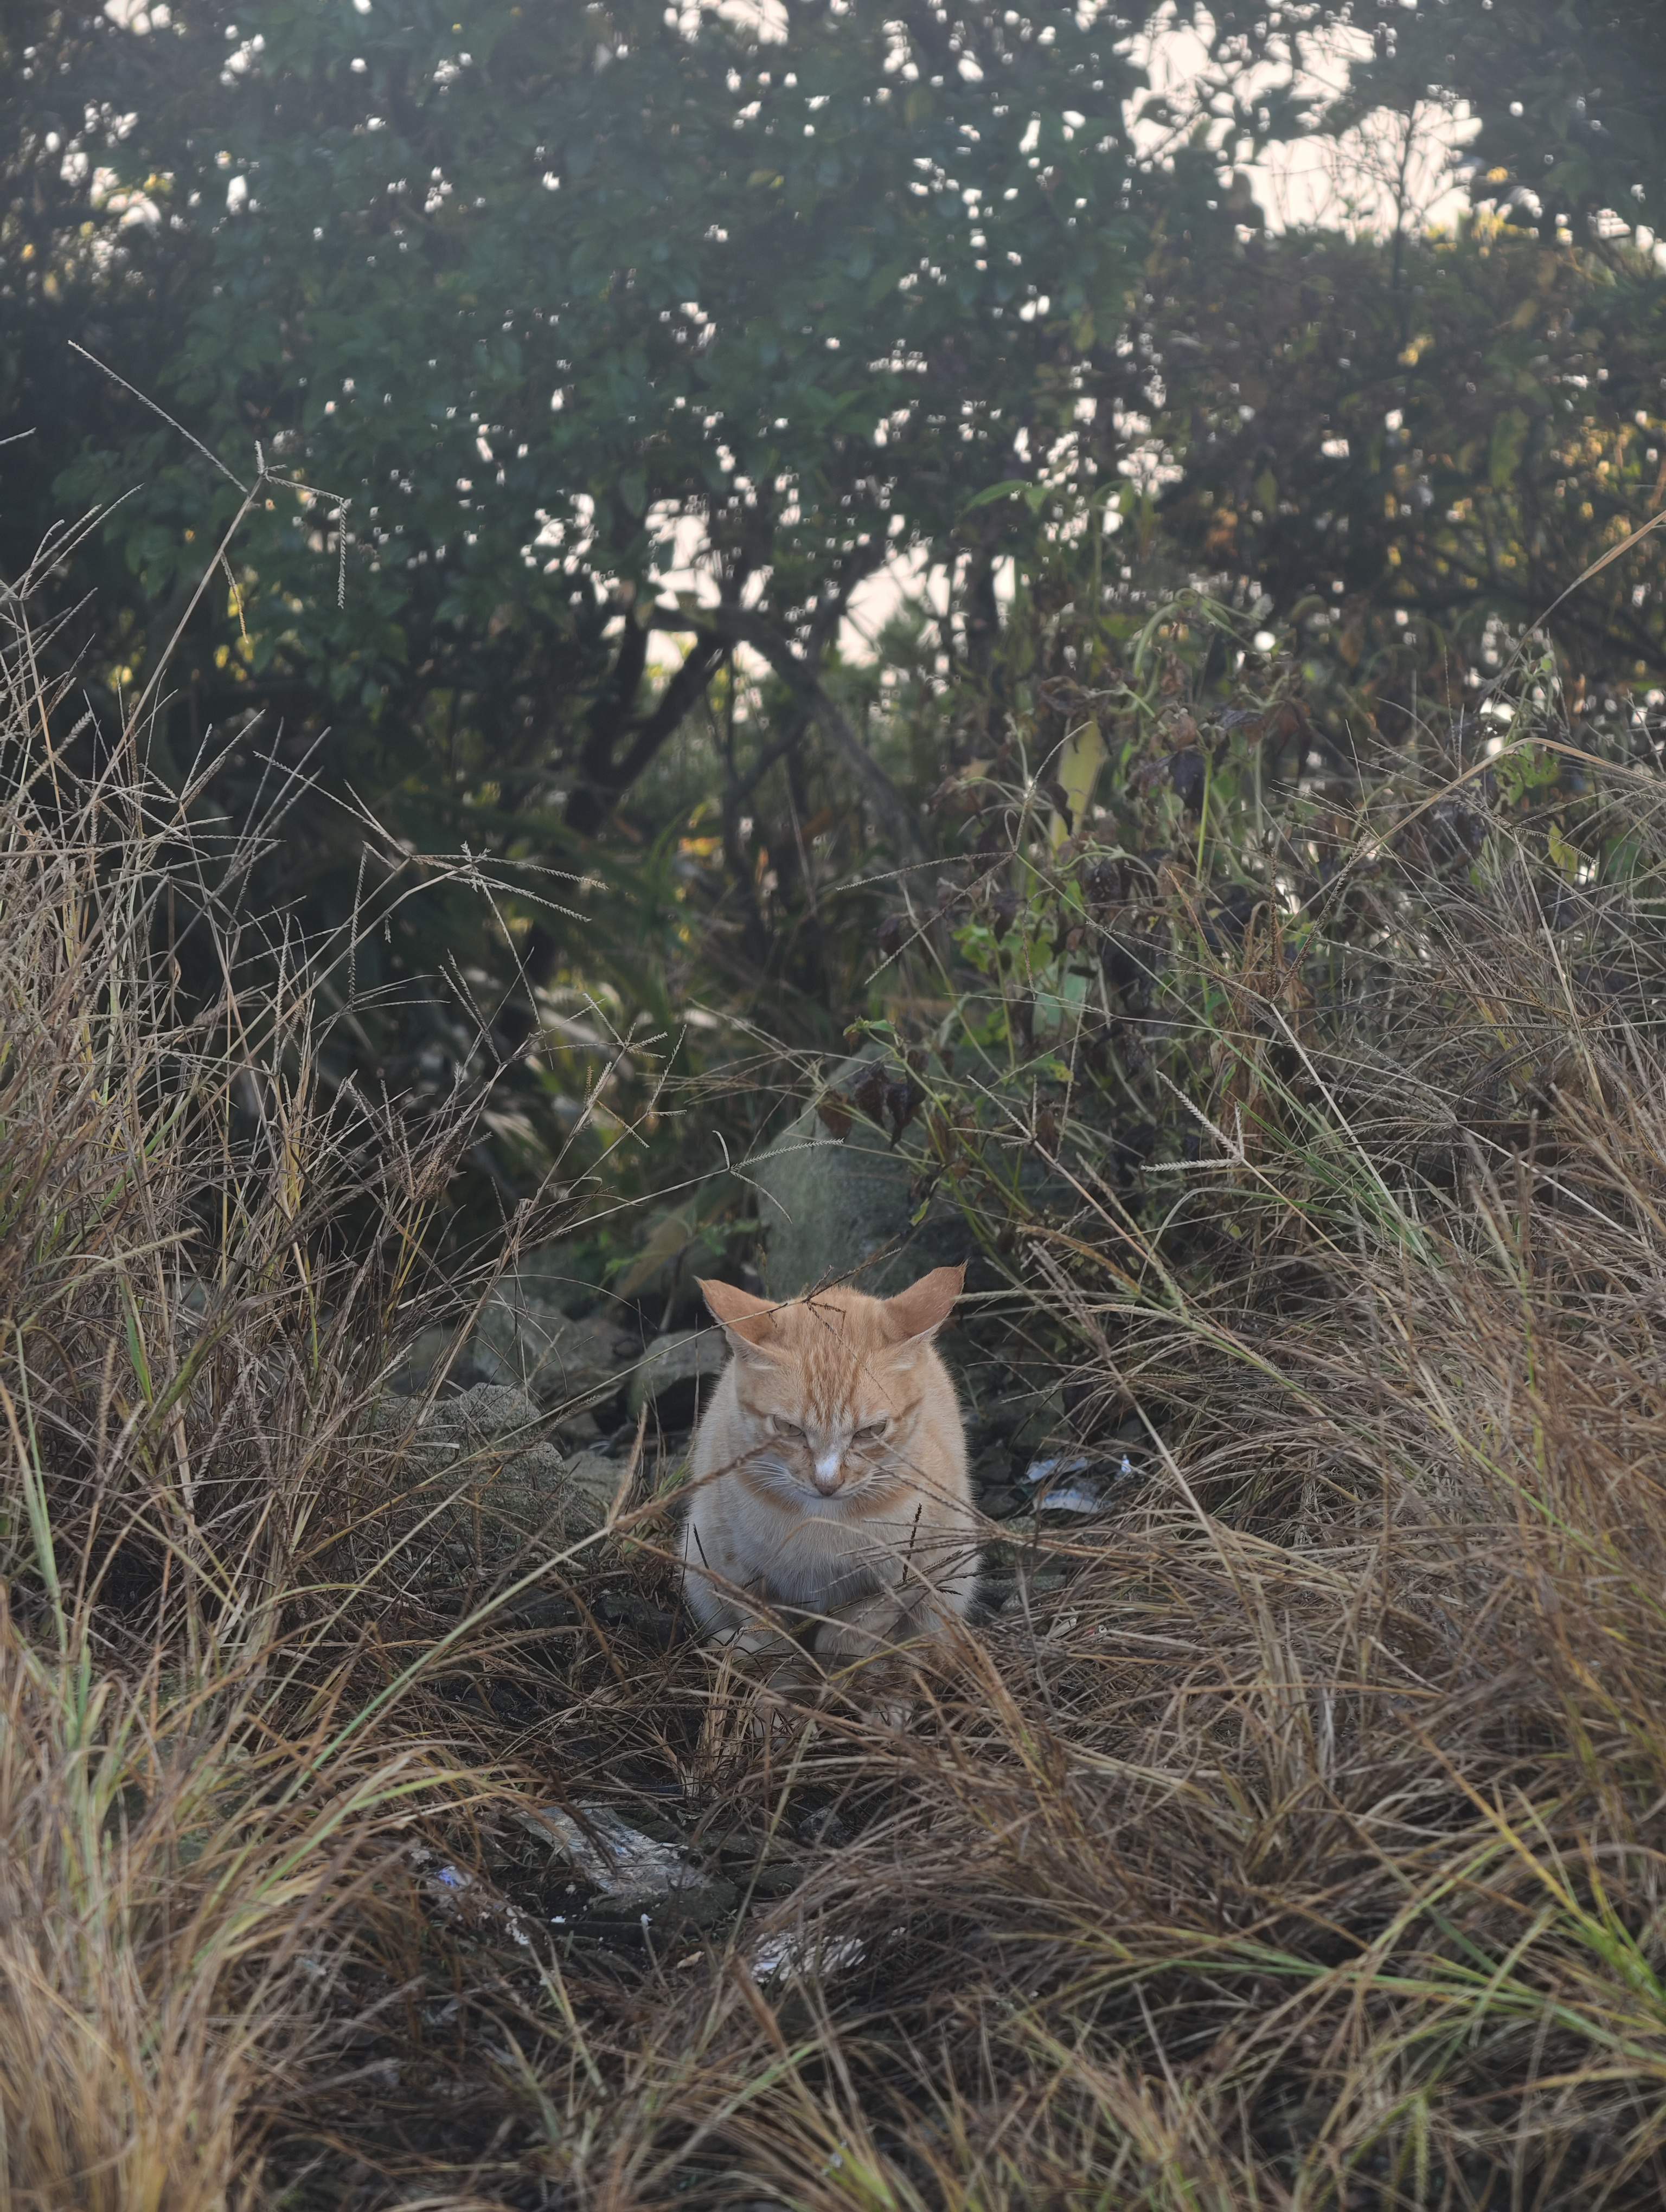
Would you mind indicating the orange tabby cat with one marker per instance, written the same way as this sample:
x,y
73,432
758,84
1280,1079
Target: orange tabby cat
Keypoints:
x,y
829,1474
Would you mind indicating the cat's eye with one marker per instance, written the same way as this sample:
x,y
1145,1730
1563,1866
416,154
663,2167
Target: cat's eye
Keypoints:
x,y
872,1431
789,1429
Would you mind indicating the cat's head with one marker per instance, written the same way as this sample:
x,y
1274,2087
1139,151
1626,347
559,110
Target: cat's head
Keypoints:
x,y
830,1387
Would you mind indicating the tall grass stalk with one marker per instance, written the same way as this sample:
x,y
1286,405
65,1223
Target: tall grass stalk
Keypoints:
x,y
1293,1837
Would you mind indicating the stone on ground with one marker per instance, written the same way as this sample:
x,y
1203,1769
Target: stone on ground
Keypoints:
x,y
675,1374
570,1365
484,1458
836,1209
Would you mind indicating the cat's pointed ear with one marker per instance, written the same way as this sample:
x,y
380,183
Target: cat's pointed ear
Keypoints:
x,y
748,1322
914,1317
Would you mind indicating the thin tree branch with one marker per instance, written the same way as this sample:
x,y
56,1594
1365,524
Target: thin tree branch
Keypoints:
x,y
743,626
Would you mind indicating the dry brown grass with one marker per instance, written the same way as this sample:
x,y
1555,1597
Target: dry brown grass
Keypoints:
x,y
1302,1847
1305,1848
185,1814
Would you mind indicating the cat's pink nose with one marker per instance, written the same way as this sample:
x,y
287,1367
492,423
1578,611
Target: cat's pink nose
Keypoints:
x,y
829,1474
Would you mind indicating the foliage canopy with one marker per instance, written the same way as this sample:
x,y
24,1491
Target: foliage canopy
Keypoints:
x,y
630,350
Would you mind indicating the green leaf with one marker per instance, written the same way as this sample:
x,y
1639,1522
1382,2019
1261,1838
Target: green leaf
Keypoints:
x,y
1504,450
1566,858
1014,486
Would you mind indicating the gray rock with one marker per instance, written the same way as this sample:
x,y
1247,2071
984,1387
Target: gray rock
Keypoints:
x,y
491,1413
991,1468
835,1208
671,1372
574,1431
1010,1396
435,1352
775,1882
1047,1582
534,1332
1023,1544
543,1612
592,1482
1039,1418
673,1252
571,1365
552,1275
485,1458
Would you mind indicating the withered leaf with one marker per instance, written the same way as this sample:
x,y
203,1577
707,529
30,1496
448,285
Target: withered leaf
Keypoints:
x,y
1187,772
868,1091
834,1115
902,1104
